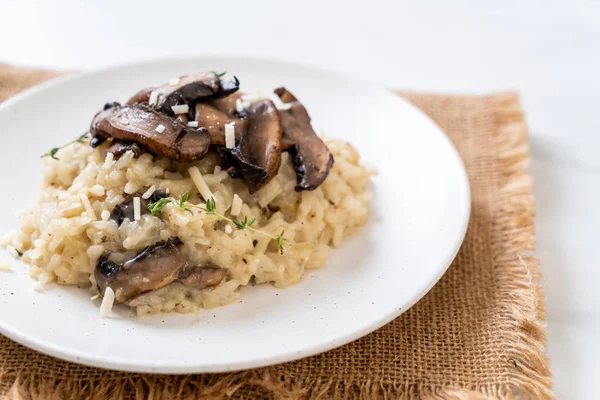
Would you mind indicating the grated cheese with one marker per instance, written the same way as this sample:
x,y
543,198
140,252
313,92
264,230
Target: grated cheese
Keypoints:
x,y
160,128
88,206
37,286
173,81
107,302
4,267
228,229
239,105
180,109
137,213
230,135
236,205
153,98
193,124
13,252
94,297
200,183
149,192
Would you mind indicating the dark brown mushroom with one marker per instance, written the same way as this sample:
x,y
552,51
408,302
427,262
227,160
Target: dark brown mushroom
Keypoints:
x,y
214,121
192,88
125,208
202,277
228,104
183,118
157,132
258,154
118,148
311,157
98,137
156,266
140,97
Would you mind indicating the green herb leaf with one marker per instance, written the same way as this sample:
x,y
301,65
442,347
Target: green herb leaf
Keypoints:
x,y
219,75
211,205
53,151
244,223
184,198
188,210
281,241
156,207
238,224
82,137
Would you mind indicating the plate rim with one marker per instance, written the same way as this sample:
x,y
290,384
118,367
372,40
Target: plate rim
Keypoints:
x,y
70,355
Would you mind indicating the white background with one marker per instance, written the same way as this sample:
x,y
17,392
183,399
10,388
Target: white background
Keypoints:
x,y
547,50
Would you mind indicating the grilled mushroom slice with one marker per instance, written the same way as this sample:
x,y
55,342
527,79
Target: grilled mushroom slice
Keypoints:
x,y
157,132
99,137
214,121
156,266
258,153
310,155
228,104
140,97
192,88
202,277
118,148
125,209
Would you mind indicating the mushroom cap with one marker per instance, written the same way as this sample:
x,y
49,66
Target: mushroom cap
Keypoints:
x,y
157,132
311,157
153,268
258,153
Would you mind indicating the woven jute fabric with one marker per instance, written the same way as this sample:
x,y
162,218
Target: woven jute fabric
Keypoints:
x,y
479,333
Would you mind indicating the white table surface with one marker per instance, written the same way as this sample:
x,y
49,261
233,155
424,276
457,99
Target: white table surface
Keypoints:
x,y
547,50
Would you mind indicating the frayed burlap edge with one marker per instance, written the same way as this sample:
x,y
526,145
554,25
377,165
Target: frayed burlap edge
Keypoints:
x,y
513,257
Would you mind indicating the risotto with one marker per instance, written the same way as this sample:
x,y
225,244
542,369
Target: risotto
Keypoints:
x,y
161,232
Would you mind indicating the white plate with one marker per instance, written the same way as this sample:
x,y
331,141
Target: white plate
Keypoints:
x,y
420,212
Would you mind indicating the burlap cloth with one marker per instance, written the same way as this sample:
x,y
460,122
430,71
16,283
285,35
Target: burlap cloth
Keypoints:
x,y
479,333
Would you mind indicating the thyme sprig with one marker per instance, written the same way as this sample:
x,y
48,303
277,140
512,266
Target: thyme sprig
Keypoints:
x,y
219,75
211,208
52,152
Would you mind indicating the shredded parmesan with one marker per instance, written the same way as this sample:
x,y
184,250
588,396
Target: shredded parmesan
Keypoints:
x,y
88,206
236,205
37,286
137,212
4,267
94,297
12,251
173,81
149,192
160,128
193,124
180,109
228,229
105,215
153,98
200,183
107,302
230,135
239,105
